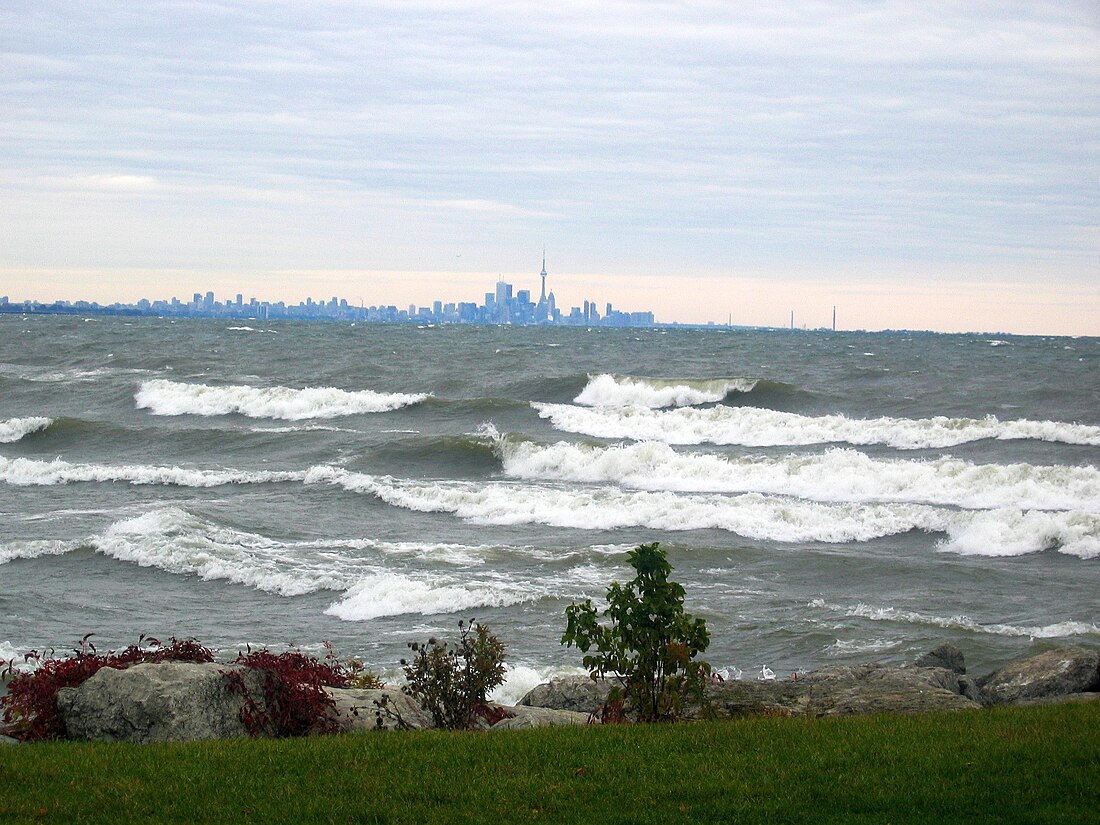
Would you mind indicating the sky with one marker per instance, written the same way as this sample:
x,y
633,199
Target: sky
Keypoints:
x,y
924,165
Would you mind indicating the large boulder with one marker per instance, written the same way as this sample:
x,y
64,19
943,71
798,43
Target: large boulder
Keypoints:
x,y
157,702
1054,673
525,718
579,694
360,710
946,656
837,690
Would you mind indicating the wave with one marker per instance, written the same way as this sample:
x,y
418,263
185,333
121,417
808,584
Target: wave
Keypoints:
x,y
163,397
890,614
653,393
751,515
178,542
34,549
757,427
14,429
835,475
26,472
391,593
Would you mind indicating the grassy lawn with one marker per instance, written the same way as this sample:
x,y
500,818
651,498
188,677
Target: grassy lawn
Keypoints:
x,y
1037,765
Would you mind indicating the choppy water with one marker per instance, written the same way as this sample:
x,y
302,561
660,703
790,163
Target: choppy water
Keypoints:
x,y
824,497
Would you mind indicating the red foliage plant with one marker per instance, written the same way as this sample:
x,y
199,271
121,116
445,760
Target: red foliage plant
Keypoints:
x,y
29,708
294,702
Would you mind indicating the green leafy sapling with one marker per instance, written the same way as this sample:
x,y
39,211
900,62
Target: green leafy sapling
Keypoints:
x,y
453,684
650,644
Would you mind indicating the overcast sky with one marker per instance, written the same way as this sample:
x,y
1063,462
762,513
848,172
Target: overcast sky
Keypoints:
x,y
920,165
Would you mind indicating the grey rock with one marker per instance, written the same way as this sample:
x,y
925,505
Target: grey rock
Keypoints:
x,y
946,656
7,740
165,702
579,694
837,690
525,718
842,690
1054,673
363,710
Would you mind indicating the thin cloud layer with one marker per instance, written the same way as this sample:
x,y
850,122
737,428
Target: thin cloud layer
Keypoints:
x,y
636,139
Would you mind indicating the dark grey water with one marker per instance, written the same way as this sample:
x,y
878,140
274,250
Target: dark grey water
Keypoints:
x,y
824,497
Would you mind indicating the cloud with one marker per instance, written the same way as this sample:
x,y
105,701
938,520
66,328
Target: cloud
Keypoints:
x,y
630,135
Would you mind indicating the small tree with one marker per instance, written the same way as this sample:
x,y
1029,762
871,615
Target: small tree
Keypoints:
x,y
651,643
453,684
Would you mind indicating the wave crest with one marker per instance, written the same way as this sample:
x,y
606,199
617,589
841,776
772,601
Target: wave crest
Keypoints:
x,y
608,390
163,397
834,475
14,429
27,472
757,427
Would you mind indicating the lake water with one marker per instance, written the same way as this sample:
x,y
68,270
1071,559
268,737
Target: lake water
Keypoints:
x,y
824,497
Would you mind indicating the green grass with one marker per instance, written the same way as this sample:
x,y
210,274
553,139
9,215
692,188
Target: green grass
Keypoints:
x,y
1037,765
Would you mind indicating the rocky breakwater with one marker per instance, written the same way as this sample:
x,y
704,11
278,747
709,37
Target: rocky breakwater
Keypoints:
x,y
176,701
935,682
173,702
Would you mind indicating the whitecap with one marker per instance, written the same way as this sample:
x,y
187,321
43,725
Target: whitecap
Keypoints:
x,y
14,429
163,397
758,427
607,390
27,472
834,475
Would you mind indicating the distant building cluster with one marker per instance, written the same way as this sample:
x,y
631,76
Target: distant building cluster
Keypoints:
x,y
501,306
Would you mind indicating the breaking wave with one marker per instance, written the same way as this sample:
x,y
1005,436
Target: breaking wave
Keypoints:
x,y
391,593
14,429
27,472
961,622
163,397
653,393
835,475
751,515
756,427
176,541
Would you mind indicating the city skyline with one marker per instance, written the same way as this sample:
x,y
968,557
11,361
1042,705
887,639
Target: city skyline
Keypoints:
x,y
920,166
500,306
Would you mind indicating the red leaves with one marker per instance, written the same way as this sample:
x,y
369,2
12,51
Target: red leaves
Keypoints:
x,y
30,709
294,701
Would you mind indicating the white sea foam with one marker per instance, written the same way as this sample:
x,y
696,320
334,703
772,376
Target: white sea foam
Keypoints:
x,y
752,515
27,472
32,549
835,475
629,391
162,397
961,622
176,541
519,679
851,647
757,427
393,593
14,429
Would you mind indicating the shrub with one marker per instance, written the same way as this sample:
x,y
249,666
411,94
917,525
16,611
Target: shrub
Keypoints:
x,y
453,684
294,700
650,644
30,706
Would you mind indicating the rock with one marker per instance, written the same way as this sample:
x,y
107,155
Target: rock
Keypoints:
x,y
841,690
165,702
7,740
1054,673
525,718
946,656
576,693
1065,699
837,690
870,689
361,710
